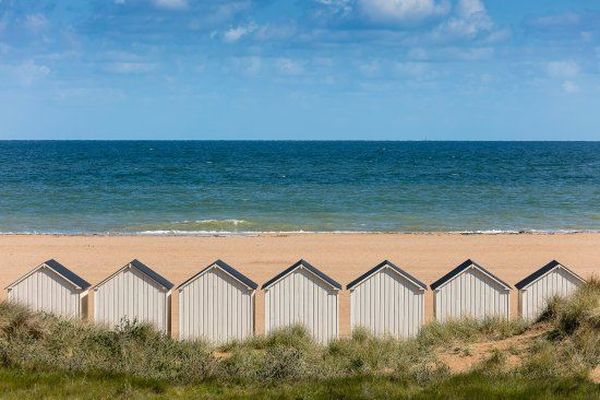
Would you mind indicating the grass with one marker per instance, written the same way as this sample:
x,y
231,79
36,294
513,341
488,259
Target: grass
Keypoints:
x,y
469,330
18,384
41,341
572,345
45,356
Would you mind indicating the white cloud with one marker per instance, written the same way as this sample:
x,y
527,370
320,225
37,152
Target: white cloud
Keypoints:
x,y
566,19
338,8
287,66
235,34
275,32
171,4
470,19
451,53
225,11
35,22
30,72
467,8
370,68
570,87
266,32
562,69
248,65
130,67
498,35
402,11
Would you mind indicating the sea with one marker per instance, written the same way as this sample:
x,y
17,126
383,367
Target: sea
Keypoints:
x,y
248,187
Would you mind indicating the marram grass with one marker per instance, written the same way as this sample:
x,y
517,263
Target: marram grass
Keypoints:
x,y
49,357
19,385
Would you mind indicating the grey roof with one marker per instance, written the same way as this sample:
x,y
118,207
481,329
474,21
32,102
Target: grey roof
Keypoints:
x,y
309,267
466,264
542,271
144,269
151,273
228,269
380,266
61,270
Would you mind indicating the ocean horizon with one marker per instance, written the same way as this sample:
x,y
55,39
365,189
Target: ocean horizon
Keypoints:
x,y
247,187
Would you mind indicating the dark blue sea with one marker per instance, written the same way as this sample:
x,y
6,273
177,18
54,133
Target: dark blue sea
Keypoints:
x,y
174,187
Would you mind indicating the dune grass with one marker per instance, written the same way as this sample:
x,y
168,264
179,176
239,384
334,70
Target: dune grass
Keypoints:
x,y
469,330
19,384
572,344
134,360
41,341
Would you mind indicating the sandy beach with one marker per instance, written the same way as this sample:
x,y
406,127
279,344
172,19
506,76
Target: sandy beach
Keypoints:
x,y
341,256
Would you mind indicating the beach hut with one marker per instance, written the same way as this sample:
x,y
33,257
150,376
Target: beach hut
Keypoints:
x,y
50,287
303,295
553,279
217,304
134,293
387,301
469,290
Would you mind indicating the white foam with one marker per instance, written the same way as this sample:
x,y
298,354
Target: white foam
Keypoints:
x,y
175,232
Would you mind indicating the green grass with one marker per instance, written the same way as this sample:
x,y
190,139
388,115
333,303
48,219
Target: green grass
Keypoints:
x,y
18,384
572,345
468,330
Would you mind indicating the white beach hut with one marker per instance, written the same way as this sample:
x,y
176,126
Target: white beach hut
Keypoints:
x,y
553,279
303,295
50,287
469,290
134,292
388,301
217,304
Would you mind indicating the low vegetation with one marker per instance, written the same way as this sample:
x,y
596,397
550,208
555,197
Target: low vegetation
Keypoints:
x,y
469,330
571,346
18,385
63,356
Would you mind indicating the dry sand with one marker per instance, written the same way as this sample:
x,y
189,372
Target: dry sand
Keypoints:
x,y
341,256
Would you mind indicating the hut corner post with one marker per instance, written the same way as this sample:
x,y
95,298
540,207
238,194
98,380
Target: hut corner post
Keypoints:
x,y
174,314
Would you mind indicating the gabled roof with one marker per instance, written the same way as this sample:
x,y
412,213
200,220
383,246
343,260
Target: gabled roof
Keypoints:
x,y
70,276
462,267
234,273
141,267
303,264
386,264
543,271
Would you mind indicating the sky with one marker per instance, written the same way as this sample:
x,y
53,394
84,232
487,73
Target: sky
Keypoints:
x,y
302,69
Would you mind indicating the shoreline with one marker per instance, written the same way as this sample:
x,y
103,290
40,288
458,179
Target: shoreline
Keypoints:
x,y
491,232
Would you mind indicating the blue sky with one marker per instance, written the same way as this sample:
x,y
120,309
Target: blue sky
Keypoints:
x,y
303,69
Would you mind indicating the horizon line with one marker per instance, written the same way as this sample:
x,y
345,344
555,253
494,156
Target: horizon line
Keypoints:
x,y
315,140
